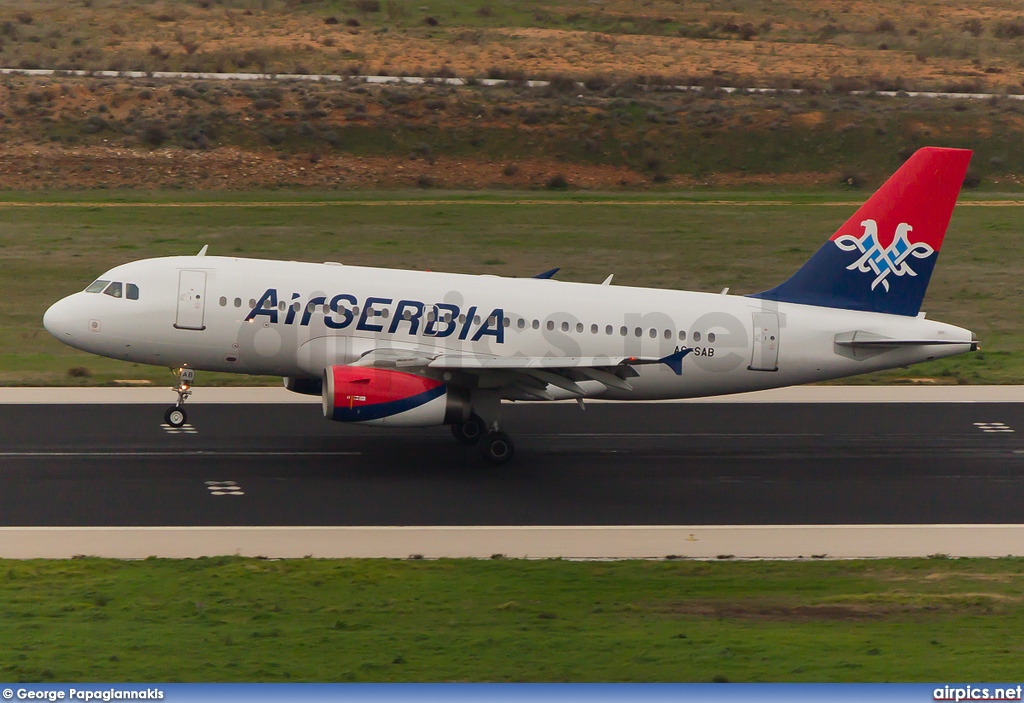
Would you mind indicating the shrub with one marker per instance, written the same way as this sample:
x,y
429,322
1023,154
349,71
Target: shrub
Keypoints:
x,y
1009,30
557,182
853,180
154,134
430,21
972,26
561,83
972,179
79,372
331,20
511,170
367,5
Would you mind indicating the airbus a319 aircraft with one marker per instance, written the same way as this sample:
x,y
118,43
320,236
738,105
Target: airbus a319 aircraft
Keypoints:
x,y
416,348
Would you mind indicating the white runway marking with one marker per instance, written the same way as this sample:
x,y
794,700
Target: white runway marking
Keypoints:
x,y
993,427
224,488
184,429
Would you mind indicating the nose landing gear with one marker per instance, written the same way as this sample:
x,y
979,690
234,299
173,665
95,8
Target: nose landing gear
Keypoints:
x,y
175,415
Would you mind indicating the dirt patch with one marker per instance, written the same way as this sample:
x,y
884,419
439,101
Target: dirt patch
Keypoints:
x,y
778,611
35,167
898,605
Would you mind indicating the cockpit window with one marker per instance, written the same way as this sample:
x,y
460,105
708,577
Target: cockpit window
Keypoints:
x,y
132,291
113,290
96,286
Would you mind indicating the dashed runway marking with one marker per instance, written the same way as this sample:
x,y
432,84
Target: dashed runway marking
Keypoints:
x,y
224,488
993,427
184,429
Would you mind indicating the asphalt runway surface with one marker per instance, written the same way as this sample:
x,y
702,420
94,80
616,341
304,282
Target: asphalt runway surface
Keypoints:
x,y
614,464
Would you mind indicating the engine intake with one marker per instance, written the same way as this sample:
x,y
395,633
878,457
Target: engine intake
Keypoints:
x,y
391,398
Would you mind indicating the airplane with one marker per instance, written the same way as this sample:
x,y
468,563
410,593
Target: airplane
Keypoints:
x,y
401,348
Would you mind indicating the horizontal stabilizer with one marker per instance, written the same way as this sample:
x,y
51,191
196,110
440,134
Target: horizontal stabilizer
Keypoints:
x,y
860,338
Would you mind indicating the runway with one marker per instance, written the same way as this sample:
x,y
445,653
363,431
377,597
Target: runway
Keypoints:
x,y
645,464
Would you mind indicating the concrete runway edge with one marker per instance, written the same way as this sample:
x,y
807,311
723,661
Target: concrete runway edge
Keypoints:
x,y
583,542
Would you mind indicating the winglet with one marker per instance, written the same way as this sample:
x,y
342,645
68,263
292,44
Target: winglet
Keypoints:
x,y
675,360
548,274
202,252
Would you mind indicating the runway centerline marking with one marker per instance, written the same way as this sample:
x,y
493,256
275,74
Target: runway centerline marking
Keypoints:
x,y
224,488
993,427
184,429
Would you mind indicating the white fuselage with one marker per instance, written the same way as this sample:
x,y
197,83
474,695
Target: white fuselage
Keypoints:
x,y
197,311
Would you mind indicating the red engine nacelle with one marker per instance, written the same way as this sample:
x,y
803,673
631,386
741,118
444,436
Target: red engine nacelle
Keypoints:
x,y
391,398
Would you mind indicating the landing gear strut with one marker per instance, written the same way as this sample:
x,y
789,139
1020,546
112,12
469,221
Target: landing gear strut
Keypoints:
x,y
175,415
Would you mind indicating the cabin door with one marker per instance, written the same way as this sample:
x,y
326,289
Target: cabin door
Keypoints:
x,y
766,342
191,300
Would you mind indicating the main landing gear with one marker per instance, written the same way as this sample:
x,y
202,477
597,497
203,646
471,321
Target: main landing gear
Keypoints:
x,y
175,415
495,445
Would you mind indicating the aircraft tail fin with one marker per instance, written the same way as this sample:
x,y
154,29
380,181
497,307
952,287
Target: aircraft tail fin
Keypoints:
x,y
882,258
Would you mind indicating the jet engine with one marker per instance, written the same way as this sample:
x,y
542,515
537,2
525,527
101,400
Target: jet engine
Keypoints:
x,y
391,398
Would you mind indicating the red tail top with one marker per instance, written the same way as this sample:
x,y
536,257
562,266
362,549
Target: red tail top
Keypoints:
x,y
920,194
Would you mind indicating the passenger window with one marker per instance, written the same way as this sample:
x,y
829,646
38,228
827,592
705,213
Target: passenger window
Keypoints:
x,y
252,302
223,301
653,333
113,290
696,336
521,323
96,286
711,337
132,292
608,330
682,335
536,324
565,326
622,331
551,325
238,302
593,329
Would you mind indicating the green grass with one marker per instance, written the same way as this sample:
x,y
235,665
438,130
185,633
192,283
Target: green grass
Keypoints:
x,y
498,620
669,240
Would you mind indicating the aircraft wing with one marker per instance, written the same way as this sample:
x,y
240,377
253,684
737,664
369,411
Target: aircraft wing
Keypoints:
x,y
528,375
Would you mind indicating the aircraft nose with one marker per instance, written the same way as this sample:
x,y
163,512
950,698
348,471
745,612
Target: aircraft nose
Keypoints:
x,y
60,318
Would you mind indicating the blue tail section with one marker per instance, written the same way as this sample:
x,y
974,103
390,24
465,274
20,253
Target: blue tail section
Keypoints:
x,y
882,258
